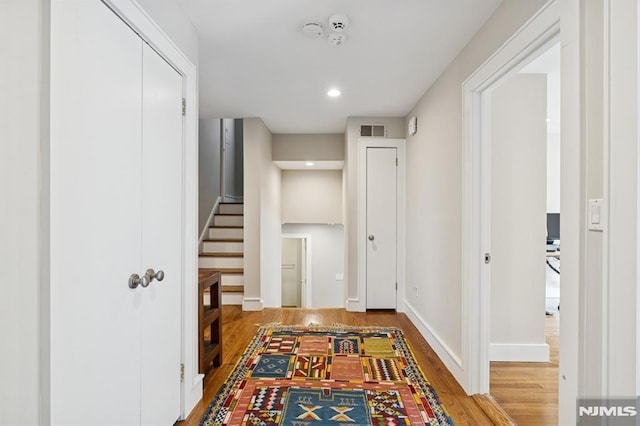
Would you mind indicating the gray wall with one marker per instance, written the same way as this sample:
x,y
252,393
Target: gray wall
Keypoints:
x,y
208,168
304,147
434,178
312,196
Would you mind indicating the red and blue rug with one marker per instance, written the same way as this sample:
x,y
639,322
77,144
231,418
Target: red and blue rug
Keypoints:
x,y
313,375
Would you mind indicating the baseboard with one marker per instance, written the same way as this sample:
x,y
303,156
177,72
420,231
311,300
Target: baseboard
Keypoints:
x,y
208,223
519,352
252,304
448,357
354,305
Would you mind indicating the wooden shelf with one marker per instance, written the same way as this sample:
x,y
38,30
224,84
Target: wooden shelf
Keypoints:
x,y
209,317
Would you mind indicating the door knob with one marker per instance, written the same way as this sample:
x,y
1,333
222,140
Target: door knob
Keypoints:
x,y
371,237
135,280
151,275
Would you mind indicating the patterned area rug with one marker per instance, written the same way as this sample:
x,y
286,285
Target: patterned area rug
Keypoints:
x,y
312,375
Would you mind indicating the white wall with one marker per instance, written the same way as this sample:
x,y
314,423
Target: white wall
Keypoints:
x,y
395,130
262,189
312,196
23,228
518,219
170,16
270,253
317,147
434,185
327,250
553,172
208,168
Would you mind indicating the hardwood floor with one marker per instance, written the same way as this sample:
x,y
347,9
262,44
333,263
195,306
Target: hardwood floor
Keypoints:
x,y
238,328
528,392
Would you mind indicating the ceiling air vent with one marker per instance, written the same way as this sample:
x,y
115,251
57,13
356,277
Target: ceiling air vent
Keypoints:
x,y
375,130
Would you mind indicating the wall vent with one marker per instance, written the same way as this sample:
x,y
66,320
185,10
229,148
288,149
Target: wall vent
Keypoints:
x,y
374,130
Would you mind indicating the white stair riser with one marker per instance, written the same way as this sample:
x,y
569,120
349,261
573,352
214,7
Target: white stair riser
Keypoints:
x,y
228,220
232,279
226,233
231,208
232,298
223,247
220,262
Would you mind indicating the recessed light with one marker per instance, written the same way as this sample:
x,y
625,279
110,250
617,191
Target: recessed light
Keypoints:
x,y
334,93
309,164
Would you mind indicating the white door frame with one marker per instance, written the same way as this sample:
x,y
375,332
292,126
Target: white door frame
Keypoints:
x,y
535,37
131,13
308,301
360,304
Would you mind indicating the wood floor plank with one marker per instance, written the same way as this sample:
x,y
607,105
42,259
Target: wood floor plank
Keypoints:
x,y
528,391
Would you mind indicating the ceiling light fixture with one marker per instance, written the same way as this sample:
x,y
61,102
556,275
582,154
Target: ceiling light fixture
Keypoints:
x,y
334,93
309,164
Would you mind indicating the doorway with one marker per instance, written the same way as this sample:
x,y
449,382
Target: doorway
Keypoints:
x,y
296,287
524,241
535,38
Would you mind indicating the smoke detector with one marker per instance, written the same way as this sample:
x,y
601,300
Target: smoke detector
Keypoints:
x,y
338,22
337,39
312,29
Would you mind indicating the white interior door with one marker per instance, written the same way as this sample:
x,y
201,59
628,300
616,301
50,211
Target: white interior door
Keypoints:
x,y
291,277
161,239
381,228
96,95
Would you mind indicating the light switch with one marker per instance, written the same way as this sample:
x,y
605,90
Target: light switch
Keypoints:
x,y
595,214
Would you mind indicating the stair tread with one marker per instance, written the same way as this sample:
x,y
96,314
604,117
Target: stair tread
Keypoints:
x,y
226,226
233,288
229,214
231,202
227,271
223,240
222,254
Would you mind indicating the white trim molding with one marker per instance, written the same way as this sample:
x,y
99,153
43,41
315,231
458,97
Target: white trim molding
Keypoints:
x,y
520,352
440,347
533,38
252,304
131,13
359,304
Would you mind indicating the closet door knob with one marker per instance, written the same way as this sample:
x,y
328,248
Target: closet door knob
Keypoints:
x,y
135,280
371,238
151,275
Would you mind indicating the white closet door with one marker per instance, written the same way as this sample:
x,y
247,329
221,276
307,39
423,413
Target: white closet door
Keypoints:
x,y
95,216
161,239
381,228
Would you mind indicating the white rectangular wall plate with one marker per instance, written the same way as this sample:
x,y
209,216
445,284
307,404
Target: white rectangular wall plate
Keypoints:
x,y
596,214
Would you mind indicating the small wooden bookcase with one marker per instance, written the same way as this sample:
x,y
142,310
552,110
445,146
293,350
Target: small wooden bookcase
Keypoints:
x,y
209,320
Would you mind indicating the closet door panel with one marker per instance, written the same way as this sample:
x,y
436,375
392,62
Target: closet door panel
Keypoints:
x,y
161,237
96,106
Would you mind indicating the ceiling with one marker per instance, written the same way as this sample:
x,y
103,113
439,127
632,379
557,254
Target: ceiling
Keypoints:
x,y
255,61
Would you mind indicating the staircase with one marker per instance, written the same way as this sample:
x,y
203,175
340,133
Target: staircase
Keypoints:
x,y
223,251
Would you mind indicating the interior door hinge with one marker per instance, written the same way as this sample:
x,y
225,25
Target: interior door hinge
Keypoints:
x,y
182,372
396,161
396,286
184,106
487,258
